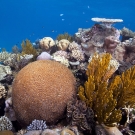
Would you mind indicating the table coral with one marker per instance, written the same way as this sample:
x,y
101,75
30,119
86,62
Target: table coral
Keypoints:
x,y
41,91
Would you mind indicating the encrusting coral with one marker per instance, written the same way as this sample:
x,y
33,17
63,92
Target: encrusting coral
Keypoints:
x,y
41,90
107,98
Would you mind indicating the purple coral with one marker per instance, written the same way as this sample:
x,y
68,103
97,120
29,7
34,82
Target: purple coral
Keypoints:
x,y
37,125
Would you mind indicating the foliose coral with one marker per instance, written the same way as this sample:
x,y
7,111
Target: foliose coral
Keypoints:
x,y
5,123
37,125
44,100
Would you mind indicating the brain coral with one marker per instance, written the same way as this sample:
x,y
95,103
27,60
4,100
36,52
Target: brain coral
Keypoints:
x,y
41,91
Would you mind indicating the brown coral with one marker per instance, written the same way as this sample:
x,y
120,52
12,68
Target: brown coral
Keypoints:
x,y
27,48
80,115
41,90
97,87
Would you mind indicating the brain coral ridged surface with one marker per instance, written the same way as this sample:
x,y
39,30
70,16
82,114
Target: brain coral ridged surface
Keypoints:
x,y
41,91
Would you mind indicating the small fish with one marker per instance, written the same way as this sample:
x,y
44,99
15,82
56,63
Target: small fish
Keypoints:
x,y
83,12
53,31
61,14
62,19
88,7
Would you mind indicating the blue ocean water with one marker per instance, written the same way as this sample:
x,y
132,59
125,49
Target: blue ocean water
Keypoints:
x,y
35,19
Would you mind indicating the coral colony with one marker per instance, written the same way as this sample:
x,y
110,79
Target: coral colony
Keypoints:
x,y
72,85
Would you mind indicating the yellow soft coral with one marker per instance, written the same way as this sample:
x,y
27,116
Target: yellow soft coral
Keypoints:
x,y
106,99
96,93
27,48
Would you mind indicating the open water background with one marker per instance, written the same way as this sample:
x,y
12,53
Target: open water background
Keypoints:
x,y
35,19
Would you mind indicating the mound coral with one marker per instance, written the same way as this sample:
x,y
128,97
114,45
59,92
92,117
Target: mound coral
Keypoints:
x,y
41,91
46,43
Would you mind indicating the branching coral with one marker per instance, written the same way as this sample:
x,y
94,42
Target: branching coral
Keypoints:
x,y
37,125
27,48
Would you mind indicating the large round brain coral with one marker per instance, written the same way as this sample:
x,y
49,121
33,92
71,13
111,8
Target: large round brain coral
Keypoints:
x,y
41,91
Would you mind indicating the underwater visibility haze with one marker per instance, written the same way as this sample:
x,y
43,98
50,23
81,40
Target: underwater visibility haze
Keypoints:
x,y
35,19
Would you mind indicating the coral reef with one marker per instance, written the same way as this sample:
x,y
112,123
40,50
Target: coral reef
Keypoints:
x,y
5,123
63,44
110,44
46,43
37,125
78,114
27,48
127,33
18,61
4,70
61,59
9,112
5,55
3,92
41,90
61,53
65,36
